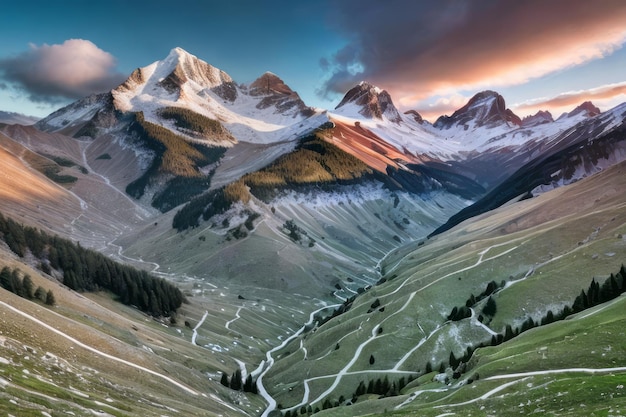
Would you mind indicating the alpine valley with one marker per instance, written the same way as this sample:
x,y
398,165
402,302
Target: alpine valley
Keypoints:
x,y
186,245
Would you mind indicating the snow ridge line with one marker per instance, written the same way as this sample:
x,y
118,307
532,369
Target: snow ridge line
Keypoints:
x,y
98,352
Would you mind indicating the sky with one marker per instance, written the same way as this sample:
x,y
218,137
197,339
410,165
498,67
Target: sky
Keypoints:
x,y
431,56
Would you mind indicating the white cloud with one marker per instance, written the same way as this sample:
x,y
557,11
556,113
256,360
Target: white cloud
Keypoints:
x,y
53,73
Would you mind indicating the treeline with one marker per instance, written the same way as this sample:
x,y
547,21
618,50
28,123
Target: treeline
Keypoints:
x,y
22,284
205,206
174,156
87,270
189,121
314,162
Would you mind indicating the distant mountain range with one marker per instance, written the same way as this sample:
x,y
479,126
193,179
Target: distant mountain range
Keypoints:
x,y
17,118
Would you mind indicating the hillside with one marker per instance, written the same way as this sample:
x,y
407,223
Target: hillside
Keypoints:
x,y
546,250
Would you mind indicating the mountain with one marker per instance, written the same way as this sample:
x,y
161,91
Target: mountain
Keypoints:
x,y
277,94
586,109
486,108
345,261
538,118
589,147
16,118
415,115
370,102
181,80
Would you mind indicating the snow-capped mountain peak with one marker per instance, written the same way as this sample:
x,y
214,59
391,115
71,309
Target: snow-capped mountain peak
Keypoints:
x,y
269,83
167,77
256,113
368,101
586,109
486,108
275,92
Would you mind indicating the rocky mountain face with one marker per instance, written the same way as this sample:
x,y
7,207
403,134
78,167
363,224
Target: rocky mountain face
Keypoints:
x,y
586,109
538,118
588,148
371,102
415,115
484,109
277,94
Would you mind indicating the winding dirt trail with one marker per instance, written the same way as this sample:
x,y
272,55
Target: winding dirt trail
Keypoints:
x,y
270,361
195,329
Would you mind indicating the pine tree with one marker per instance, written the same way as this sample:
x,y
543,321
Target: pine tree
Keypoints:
x,y
580,303
224,380
16,283
453,360
5,278
508,333
50,300
28,287
40,294
490,307
236,381
470,301
360,390
249,385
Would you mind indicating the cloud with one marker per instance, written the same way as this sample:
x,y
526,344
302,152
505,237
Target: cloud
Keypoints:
x,y
566,101
574,98
417,50
55,73
442,105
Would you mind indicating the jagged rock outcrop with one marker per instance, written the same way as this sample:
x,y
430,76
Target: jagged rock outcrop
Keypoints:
x,y
539,118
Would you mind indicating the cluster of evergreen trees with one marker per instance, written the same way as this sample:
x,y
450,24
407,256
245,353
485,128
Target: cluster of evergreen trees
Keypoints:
x,y
12,280
489,310
88,270
174,156
192,123
205,206
596,294
237,383
314,162
380,386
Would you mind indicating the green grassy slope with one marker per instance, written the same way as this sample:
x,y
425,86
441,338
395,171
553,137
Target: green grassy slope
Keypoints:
x,y
546,249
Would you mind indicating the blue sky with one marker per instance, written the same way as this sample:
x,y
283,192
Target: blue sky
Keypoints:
x,y
431,56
